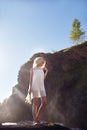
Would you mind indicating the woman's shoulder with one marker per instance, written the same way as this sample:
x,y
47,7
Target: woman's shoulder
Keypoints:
x,y
32,69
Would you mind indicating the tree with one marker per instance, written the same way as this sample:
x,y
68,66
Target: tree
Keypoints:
x,y
76,33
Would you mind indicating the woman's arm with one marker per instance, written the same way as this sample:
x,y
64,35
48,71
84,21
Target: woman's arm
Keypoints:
x,y
30,81
46,71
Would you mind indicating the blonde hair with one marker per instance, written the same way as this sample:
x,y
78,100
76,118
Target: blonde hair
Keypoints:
x,y
38,60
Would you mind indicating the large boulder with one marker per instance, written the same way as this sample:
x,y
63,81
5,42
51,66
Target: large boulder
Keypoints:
x,y
66,88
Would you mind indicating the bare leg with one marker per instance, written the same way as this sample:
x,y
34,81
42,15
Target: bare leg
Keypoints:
x,y
34,108
41,108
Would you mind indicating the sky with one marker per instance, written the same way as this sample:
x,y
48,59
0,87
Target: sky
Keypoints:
x,y
31,26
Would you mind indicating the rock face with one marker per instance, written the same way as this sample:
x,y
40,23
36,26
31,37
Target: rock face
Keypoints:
x,y
66,88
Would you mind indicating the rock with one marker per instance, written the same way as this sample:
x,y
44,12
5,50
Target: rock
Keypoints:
x,y
29,125
66,88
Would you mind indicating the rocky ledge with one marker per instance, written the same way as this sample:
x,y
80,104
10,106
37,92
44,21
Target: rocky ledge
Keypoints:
x,y
29,125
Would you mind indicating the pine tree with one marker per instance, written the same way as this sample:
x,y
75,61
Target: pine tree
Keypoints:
x,y
76,32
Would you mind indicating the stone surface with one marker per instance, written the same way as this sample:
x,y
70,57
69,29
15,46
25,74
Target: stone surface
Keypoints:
x,y
29,125
66,88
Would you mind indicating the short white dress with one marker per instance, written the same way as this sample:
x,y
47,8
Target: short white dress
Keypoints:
x,y
38,87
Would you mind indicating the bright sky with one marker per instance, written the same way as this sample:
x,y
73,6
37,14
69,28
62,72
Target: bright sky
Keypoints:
x,y
30,26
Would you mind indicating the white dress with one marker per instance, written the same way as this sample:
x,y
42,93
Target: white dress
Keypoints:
x,y
38,88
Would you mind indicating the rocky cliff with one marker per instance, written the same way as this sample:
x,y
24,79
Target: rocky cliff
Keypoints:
x,y
66,88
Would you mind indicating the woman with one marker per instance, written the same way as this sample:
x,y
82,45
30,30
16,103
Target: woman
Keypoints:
x,y
36,87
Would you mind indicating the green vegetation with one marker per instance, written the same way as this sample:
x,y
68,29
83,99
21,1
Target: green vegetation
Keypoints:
x,y
76,32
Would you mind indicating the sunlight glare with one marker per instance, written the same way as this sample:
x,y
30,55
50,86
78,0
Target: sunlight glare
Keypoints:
x,y
2,58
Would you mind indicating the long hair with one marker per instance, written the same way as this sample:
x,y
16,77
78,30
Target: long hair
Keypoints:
x,y
38,60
